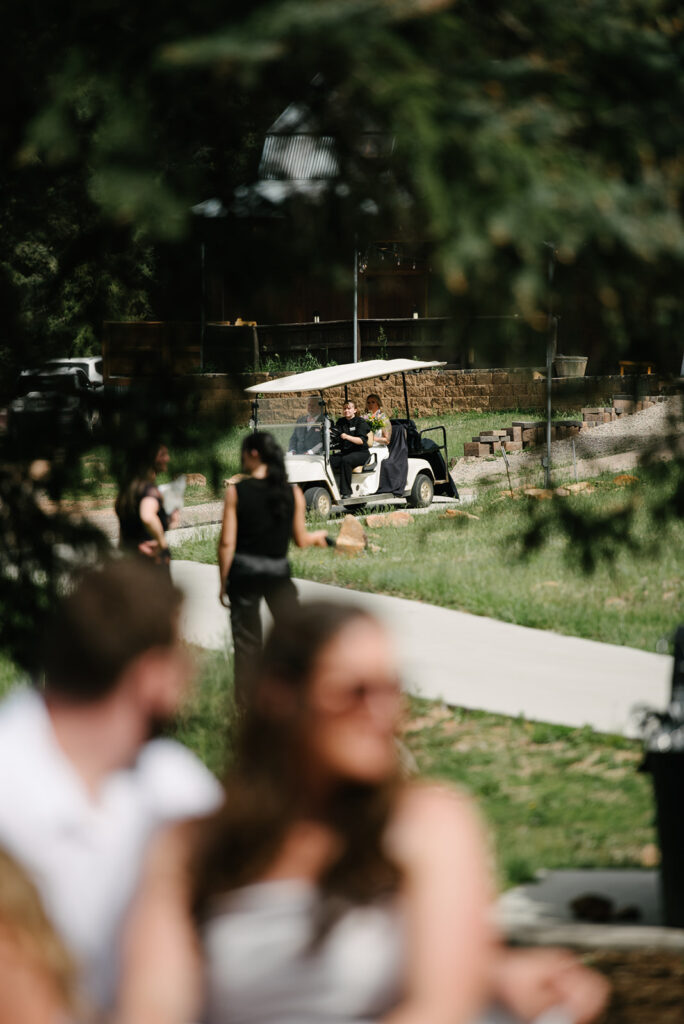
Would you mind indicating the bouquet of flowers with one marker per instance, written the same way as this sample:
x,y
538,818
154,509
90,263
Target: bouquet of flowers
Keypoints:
x,y
376,421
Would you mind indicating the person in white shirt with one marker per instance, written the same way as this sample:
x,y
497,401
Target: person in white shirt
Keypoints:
x,y
83,784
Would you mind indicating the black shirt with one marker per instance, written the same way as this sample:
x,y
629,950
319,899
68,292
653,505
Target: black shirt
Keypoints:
x,y
264,519
133,530
356,427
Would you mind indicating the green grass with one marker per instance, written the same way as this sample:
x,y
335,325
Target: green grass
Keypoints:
x,y
553,797
479,566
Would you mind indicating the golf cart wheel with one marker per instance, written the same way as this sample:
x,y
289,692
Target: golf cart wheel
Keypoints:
x,y
422,491
318,501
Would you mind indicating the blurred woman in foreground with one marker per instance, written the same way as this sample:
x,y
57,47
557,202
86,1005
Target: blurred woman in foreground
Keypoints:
x,y
327,889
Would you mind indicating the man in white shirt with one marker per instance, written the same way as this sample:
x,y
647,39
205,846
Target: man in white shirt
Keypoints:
x,y
83,786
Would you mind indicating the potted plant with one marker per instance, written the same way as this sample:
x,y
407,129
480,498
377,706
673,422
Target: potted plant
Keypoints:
x,y
570,366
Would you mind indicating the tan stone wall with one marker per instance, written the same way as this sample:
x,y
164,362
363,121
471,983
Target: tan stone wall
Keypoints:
x,y
430,393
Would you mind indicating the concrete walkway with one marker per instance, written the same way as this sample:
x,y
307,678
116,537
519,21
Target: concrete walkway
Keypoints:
x,y
476,662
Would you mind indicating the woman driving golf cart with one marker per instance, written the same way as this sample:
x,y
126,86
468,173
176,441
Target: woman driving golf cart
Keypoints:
x,y
351,437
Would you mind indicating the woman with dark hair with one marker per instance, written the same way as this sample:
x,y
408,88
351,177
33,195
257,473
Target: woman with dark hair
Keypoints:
x,y
143,521
328,889
261,513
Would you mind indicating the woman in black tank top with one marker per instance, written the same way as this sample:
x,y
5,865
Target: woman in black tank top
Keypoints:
x,y
262,512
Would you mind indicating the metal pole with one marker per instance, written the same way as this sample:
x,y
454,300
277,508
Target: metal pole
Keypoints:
x,y
203,321
356,302
403,380
550,353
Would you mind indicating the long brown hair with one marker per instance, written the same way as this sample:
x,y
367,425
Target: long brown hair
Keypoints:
x,y
139,470
265,782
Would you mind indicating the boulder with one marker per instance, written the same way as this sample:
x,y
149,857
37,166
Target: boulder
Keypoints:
x,y
625,479
452,513
538,493
196,480
352,537
400,518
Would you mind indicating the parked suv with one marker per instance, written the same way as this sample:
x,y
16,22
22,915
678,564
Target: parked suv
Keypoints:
x,y
91,366
53,401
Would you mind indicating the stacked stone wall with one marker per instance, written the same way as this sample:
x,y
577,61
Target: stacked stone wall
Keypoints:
x,y
430,393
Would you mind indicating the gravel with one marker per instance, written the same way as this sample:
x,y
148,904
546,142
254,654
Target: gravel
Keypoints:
x,y
636,433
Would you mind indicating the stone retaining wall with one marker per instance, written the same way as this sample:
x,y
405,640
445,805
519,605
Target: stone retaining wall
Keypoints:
x,y
430,392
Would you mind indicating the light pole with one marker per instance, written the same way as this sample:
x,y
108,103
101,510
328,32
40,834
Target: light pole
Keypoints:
x,y
209,209
551,339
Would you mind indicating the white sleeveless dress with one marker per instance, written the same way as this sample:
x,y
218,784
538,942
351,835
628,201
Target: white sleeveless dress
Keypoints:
x,y
260,969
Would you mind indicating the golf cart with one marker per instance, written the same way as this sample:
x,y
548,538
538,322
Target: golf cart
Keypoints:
x,y
415,464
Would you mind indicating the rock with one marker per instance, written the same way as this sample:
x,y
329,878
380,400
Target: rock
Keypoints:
x,y
375,548
196,480
579,487
539,493
352,537
650,856
376,521
235,479
400,518
452,513
625,479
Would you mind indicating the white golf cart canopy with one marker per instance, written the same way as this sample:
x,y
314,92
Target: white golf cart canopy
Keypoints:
x,y
334,376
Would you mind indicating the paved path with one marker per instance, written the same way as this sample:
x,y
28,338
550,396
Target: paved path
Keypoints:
x,y
475,662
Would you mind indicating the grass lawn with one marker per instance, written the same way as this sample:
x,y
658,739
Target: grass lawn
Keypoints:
x,y
477,565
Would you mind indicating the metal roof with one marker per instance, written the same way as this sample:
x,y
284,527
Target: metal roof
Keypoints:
x,y
333,376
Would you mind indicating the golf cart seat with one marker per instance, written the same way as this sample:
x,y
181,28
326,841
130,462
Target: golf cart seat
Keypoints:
x,y
368,466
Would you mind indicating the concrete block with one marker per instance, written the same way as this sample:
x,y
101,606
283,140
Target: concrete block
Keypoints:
x,y
477,449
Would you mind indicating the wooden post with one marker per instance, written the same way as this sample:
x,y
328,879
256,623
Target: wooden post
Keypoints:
x,y
255,348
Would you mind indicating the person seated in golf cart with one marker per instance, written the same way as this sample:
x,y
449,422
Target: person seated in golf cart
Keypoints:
x,y
350,437
378,421
307,436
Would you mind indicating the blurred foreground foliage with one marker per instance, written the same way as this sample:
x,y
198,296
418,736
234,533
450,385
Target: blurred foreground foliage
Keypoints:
x,y
497,133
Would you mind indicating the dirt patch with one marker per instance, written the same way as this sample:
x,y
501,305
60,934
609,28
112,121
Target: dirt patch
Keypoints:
x,y
648,986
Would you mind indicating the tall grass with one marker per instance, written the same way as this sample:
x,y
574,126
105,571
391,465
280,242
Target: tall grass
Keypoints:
x,y
480,566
